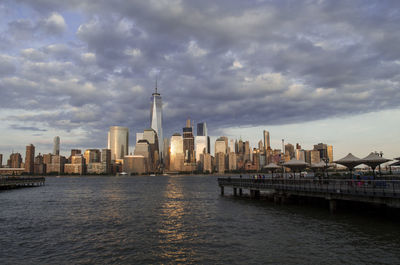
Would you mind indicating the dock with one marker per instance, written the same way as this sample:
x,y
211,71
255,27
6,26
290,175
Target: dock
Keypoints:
x,y
385,193
21,182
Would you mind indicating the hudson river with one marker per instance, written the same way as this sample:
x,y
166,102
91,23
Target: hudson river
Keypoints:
x,y
179,219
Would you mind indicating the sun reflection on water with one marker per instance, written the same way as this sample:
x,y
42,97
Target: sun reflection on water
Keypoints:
x,y
174,234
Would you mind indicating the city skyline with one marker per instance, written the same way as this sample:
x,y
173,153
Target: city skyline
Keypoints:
x,y
307,72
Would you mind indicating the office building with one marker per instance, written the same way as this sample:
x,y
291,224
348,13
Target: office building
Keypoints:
x,y
15,160
220,162
92,156
220,146
118,142
289,148
201,143
232,161
77,165
156,120
150,135
188,143
329,150
203,131
267,144
176,153
1,160
56,145
300,155
30,159
106,160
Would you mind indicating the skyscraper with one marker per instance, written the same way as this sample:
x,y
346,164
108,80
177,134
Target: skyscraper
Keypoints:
x,y
56,146
267,144
30,159
188,143
156,120
202,131
118,140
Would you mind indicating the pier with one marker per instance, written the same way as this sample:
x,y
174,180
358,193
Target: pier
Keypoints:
x,y
384,193
21,182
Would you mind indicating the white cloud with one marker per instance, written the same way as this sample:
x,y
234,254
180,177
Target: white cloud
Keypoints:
x,y
54,24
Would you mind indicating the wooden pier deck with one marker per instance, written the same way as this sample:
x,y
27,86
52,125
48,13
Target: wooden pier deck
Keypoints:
x,y
377,192
21,182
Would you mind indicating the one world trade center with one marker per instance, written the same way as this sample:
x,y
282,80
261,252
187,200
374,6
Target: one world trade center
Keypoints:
x,y
156,120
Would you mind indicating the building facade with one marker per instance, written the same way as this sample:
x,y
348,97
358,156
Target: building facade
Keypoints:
x,y
118,142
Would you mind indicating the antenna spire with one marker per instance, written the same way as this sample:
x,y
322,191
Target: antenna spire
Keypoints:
x,y
156,83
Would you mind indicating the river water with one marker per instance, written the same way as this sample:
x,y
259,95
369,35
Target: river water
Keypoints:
x,y
179,219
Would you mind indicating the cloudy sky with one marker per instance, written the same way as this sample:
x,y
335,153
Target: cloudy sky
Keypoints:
x,y
307,71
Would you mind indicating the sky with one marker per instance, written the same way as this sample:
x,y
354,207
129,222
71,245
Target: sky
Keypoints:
x,y
307,71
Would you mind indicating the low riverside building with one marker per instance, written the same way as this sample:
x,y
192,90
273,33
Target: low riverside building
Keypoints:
x,y
135,164
54,163
96,168
77,165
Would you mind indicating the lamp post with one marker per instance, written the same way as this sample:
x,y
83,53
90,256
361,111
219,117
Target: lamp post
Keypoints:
x,y
326,160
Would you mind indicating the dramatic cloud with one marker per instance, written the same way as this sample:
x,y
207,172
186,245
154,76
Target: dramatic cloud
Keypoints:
x,y
87,65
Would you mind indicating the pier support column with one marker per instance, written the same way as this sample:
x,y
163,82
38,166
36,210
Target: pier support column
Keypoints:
x,y
254,194
332,206
277,199
240,192
234,191
222,190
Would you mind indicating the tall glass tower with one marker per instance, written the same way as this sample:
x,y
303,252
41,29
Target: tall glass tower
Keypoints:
x,y
156,120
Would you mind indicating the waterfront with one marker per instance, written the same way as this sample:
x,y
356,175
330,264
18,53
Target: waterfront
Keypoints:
x,y
179,219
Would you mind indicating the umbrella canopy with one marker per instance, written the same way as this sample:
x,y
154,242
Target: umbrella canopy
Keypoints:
x,y
349,161
395,164
295,164
373,160
272,166
320,164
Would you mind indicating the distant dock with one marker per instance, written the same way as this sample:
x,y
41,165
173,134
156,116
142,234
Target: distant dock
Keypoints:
x,y
383,193
21,182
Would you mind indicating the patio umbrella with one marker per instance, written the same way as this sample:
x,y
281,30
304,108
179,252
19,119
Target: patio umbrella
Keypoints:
x,y
272,167
295,165
350,162
373,160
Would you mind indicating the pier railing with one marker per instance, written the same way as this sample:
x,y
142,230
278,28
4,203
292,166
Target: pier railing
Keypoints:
x,y
18,182
374,188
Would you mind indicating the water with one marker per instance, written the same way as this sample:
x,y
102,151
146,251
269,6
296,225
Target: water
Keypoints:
x,y
179,219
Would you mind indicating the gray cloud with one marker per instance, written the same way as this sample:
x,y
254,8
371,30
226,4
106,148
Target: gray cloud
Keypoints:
x,y
228,63
27,128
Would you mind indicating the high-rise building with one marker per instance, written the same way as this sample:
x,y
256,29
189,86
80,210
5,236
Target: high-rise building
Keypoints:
x,y
15,160
56,145
267,144
118,142
188,143
30,159
300,155
220,162
106,160
220,146
330,153
176,153
203,131
156,120
1,160
150,135
201,146
92,156
289,148
139,136
247,156
325,151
